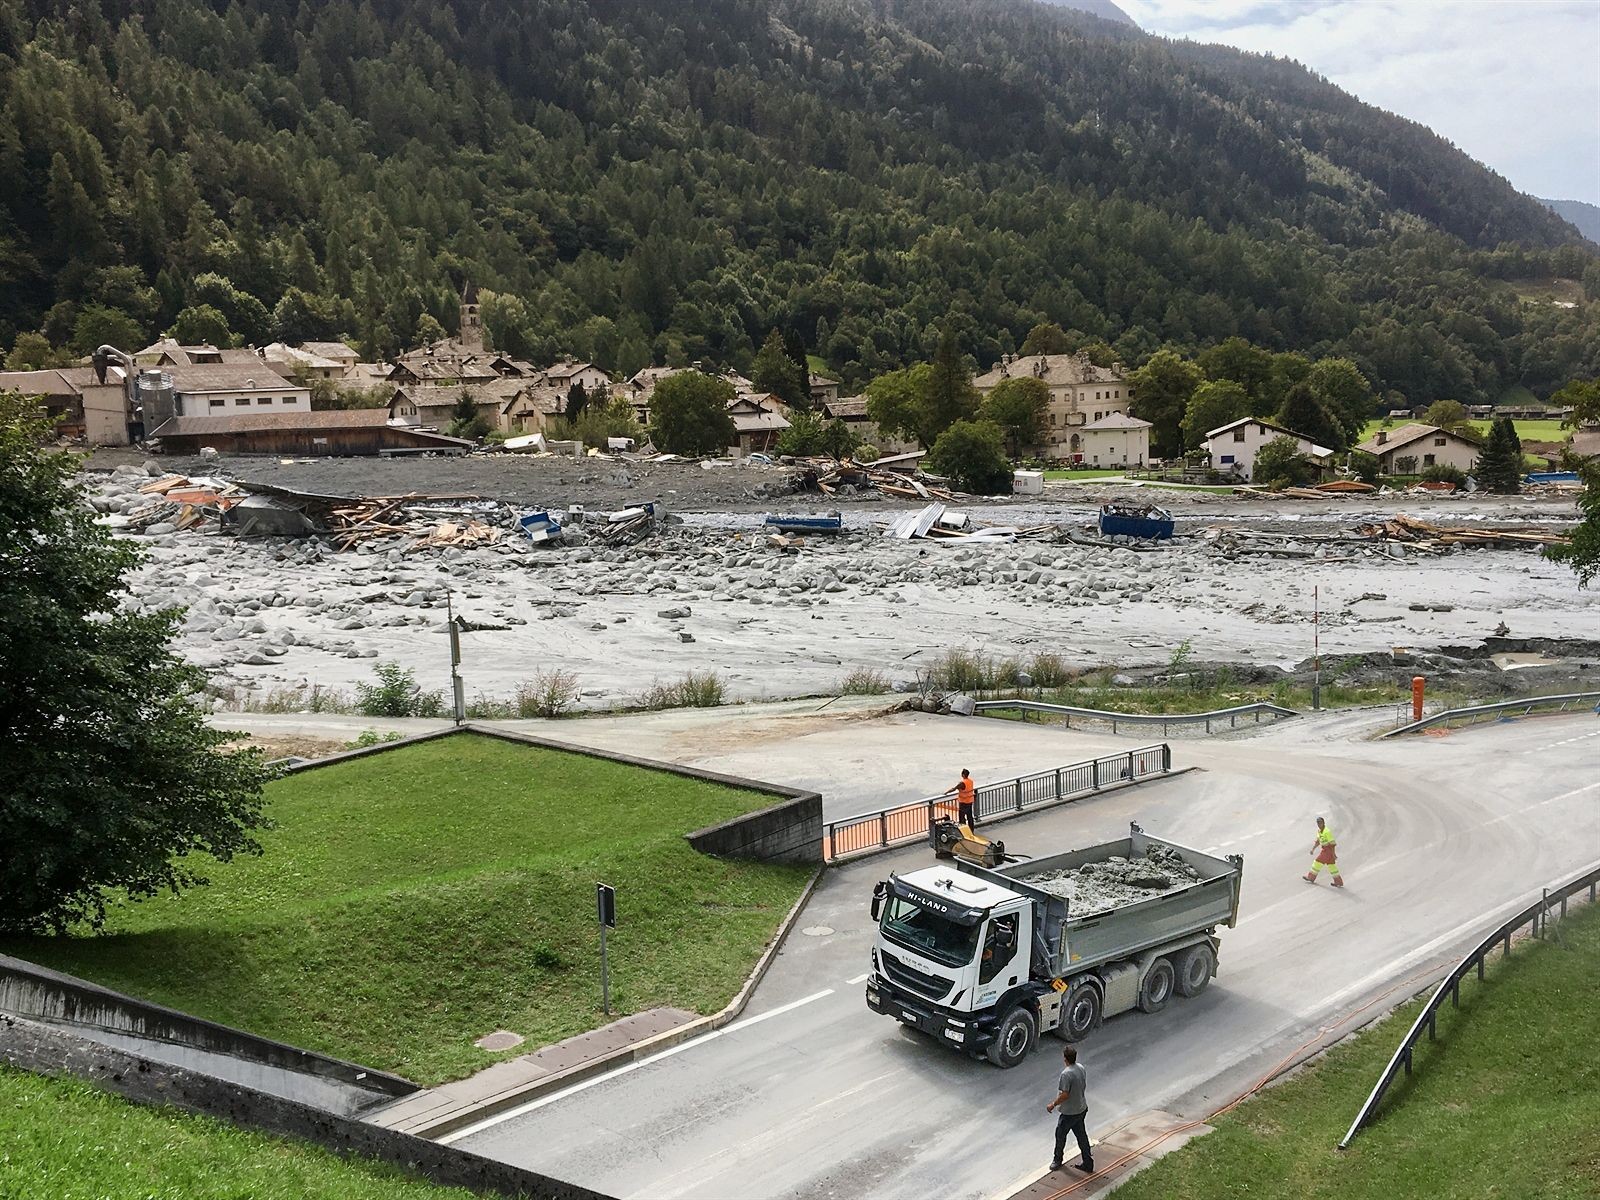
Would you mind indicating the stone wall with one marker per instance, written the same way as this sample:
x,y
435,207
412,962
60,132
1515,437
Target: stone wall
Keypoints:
x,y
787,832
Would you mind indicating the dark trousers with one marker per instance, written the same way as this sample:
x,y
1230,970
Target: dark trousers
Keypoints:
x,y
1073,1123
964,816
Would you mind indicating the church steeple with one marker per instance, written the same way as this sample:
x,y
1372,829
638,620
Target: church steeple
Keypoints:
x,y
471,335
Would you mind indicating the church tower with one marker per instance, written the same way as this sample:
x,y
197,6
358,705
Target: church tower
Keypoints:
x,y
471,335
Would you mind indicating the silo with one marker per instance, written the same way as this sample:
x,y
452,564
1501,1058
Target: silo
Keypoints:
x,y
155,402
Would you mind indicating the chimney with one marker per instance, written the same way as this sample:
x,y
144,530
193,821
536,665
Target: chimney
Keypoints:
x,y
1383,436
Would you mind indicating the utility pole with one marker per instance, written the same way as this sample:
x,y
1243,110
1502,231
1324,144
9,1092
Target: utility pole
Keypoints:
x,y
456,689
1316,650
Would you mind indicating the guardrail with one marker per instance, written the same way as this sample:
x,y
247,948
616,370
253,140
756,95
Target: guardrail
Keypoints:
x,y
1066,712
1484,712
1536,916
907,822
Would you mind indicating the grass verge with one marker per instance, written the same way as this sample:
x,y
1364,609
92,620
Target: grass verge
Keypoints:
x,y
412,901
1501,1106
65,1138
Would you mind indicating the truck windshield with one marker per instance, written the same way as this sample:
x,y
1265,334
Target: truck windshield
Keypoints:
x,y
928,933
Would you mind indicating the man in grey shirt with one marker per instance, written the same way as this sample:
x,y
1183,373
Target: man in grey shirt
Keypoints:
x,y
1074,1109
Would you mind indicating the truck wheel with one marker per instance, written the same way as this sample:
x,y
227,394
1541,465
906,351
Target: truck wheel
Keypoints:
x,y
1013,1039
1194,970
1082,1012
1157,987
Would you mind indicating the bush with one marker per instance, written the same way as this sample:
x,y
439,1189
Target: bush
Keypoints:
x,y
1444,473
547,694
396,694
971,454
1280,464
692,691
964,671
1048,671
1364,466
864,681
597,424
371,737
867,453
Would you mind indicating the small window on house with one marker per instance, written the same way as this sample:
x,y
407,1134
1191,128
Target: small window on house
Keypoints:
x,y
242,402
217,402
1438,441
1225,459
288,399
263,399
1238,434
1427,460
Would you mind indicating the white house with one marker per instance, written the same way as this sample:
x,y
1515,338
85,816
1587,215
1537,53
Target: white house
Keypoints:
x,y
1233,447
1115,440
1080,393
1416,447
223,389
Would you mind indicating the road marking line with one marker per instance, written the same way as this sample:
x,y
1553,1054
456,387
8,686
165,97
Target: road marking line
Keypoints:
x,y
532,1105
858,979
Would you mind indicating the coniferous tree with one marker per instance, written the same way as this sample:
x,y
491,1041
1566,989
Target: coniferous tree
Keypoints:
x,y
1499,467
1302,413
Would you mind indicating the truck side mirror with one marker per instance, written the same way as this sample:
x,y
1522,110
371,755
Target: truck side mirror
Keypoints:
x,y
878,892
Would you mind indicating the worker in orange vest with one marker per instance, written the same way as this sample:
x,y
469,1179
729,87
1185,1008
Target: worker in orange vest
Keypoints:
x,y
1325,854
965,792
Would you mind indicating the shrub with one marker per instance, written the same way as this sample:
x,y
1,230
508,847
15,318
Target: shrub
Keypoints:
x,y
371,737
481,708
971,454
396,694
1444,473
547,694
1048,671
1280,464
694,690
1364,466
864,681
867,453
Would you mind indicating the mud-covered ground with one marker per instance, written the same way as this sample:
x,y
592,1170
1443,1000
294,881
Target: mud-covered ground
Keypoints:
x,y
714,593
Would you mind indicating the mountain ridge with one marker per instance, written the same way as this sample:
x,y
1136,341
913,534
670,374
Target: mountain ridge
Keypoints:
x,y
1580,214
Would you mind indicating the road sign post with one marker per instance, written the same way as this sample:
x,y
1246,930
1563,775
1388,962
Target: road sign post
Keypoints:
x,y
605,902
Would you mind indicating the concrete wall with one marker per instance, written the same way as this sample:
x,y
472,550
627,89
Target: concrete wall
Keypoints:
x,y
30,1046
788,832
113,1019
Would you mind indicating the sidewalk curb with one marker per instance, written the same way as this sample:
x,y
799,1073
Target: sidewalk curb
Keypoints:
x,y
470,1114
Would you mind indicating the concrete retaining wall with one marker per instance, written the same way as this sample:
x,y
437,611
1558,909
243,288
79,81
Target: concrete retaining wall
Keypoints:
x,y
30,1046
787,832
95,1012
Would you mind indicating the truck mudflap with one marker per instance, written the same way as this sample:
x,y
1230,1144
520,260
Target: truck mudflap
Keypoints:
x,y
960,1031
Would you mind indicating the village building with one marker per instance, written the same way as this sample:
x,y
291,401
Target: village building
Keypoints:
x,y
823,389
757,422
431,407
79,402
1114,440
358,431
216,389
1233,447
639,388
852,410
1080,393
166,352
1413,448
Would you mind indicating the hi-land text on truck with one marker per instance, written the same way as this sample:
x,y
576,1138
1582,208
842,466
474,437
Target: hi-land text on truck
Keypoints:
x,y
987,958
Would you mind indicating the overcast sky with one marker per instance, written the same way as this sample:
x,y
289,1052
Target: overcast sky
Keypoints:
x,y
1514,83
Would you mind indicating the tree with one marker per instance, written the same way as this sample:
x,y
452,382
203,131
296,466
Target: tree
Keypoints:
x,y
33,352
1215,403
1582,396
800,367
1303,414
301,317
809,433
465,419
1582,551
1249,366
1047,339
1448,414
97,325
428,330
1364,466
1340,387
1281,464
112,779
950,396
1499,466
689,414
1018,407
894,401
201,325
577,400
773,371
1161,390
972,456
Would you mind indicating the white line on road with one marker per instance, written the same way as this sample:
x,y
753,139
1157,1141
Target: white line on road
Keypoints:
x,y
532,1105
858,979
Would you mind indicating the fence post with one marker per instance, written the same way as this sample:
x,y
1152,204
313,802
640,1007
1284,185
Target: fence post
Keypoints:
x,y
1016,785
1058,783
833,850
883,827
1097,774
1166,757
1130,767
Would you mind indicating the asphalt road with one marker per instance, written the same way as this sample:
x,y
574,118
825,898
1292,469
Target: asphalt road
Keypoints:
x,y
810,1094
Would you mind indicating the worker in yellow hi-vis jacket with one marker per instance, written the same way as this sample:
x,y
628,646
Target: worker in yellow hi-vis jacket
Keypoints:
x,y
1324,854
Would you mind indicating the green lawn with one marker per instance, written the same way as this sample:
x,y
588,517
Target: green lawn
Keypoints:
x,y
1079,476
412,901
1528,431
1502,1106
68,1140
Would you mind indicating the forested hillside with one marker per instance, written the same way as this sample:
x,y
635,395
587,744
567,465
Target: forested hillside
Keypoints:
x,y
637,181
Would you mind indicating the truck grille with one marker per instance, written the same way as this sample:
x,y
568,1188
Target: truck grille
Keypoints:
x,y
931,986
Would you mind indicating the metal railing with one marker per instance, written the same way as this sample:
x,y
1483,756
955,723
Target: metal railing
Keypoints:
x,y
1536,917
994,801
1486,712
1066,712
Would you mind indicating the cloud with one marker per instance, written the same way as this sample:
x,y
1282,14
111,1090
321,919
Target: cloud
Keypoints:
x,y
1514,84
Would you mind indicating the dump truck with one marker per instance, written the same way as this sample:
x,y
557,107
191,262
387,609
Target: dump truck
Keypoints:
x,y
985,959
